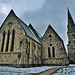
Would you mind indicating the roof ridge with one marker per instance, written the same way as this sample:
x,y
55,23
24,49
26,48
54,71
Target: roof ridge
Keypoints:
x,y
55,32
21,21
36,32
29,32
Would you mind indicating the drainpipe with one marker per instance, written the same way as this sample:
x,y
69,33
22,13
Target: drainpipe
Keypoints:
x,y
41,50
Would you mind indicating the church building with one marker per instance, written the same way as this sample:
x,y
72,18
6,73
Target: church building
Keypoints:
x,y
71,39
22,46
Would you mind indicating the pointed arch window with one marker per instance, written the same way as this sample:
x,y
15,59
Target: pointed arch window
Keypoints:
x,y
27,46
8,37
13,38
49,53
3,41
53,50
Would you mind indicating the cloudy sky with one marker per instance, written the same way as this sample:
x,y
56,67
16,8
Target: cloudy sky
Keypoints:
x,y
41,13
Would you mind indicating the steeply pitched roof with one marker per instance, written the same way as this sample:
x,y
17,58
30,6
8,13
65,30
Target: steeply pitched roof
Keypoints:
x,y
37,34
53,30
29,31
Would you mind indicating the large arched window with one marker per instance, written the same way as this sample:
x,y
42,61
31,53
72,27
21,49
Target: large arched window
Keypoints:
x,y
13,38
8,37
3,41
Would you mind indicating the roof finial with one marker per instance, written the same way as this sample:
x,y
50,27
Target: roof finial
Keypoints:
x,y
70,19
67,8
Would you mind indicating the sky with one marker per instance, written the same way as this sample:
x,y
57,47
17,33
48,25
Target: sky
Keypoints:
x,y
41,13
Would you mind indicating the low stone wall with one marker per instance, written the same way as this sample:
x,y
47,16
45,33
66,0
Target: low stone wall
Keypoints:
x,y
8,58
55,61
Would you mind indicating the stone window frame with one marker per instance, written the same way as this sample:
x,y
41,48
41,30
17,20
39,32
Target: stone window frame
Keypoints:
x,y
51,52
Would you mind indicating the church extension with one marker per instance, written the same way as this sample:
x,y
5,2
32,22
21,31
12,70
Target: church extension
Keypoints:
x,y
22,45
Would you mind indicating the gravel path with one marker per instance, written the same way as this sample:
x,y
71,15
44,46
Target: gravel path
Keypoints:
x,y
49,72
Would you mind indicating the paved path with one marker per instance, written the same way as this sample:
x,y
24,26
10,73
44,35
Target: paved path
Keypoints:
x,y
49,72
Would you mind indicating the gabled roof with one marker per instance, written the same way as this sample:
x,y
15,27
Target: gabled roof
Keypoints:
x,y
37,34
27,29
53,31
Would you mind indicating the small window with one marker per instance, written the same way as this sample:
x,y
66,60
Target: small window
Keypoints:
x,y
50,44
50,36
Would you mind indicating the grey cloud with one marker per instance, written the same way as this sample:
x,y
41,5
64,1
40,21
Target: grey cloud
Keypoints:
x,y
21,6
5,1
45,16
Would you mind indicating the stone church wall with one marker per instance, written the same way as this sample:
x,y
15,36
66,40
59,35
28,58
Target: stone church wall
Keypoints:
x,y
31,52
51,40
